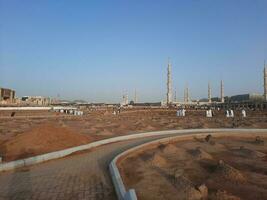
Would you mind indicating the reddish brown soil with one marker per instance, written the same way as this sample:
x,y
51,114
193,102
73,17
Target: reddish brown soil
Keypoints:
x,y
41,139
101,124
221,169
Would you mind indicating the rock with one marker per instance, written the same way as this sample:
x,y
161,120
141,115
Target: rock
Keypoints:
x,y
208,138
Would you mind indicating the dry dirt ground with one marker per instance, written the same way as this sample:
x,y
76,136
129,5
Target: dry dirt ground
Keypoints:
x,y
216,168
36,132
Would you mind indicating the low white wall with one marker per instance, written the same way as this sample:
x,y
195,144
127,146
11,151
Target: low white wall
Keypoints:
x,y
25,108
39,108
64,108
120,189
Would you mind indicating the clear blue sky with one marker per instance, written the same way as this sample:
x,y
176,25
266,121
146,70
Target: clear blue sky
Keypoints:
x,y
95,50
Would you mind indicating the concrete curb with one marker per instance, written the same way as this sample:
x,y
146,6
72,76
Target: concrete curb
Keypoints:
x,y
120,189
62,153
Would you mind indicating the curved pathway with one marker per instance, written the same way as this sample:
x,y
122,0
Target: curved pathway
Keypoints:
x,y
82,176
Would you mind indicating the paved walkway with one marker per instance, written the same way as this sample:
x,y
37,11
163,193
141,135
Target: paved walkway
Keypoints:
x,y
82,176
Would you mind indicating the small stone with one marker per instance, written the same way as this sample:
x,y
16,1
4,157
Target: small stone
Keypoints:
x,y
203,191
221,162
208,138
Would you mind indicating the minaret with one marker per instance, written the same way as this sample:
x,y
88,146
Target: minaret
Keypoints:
x,y
135,96
209,92
222,91
265,82
169,84
175,97
125,99
186,94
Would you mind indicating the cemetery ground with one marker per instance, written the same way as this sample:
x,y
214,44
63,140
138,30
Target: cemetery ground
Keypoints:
x,y
31,133
228,167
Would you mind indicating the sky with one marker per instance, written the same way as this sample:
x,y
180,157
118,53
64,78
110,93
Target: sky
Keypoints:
x,y
98,50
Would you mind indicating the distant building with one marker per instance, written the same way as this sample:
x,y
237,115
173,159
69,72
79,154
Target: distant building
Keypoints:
x,y
36,100
7,95
213,99
247,98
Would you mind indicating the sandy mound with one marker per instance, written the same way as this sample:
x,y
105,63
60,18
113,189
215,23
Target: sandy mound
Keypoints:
x,y
158,160
258,140
105,132
229,173
182,154
41,139
119,126
199,154
92,130
174,152
170,149
213,147
188,191
149,128
223,195
245,152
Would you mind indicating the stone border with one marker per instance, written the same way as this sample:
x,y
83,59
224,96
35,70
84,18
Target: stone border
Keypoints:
x,y
120,189
62,153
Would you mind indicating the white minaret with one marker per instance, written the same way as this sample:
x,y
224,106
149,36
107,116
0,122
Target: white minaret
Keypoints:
x,y
222,91
209,92
169,83
125,99
265,82
135,96
186,94
175,95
